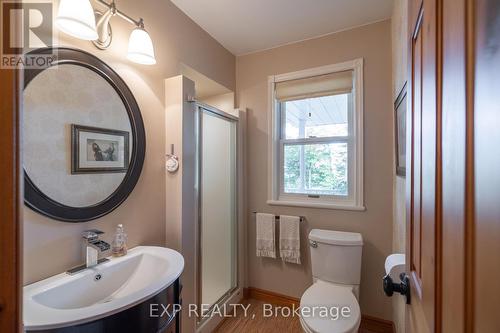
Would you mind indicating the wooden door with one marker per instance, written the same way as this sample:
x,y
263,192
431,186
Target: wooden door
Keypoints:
x,y
437,193
453,213
422,189
10,195
10,203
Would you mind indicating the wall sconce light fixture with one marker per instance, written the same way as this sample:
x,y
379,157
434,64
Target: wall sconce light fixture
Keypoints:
x,y
77,18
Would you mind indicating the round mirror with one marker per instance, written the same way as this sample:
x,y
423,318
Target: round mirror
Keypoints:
x,y
83,138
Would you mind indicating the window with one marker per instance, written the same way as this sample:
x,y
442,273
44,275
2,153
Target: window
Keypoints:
x,y
316,141
314,144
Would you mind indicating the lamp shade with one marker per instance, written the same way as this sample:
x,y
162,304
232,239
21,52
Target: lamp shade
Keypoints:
x,y
140,47
76,18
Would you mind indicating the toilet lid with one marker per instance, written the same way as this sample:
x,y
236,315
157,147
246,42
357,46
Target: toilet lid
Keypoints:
x,y
322,305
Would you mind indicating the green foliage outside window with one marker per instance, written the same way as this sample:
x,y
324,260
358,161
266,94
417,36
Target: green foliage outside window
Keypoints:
x,y
325,169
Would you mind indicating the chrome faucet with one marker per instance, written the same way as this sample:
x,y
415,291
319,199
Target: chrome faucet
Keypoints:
x,y
93,249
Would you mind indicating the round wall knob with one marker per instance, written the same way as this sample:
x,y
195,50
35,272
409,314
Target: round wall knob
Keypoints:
x,y
172,163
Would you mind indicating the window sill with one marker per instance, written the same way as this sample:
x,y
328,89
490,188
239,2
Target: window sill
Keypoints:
x,y
321,205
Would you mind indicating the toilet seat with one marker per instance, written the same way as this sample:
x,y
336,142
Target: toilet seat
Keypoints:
x,y
325,295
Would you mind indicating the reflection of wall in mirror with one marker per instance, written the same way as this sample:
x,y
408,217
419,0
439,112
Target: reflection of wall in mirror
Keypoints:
x,y
55,99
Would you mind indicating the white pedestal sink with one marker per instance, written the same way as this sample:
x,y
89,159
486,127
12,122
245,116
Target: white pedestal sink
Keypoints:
x,y
67,300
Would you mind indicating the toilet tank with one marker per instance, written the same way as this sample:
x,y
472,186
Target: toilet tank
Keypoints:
x,y
336,256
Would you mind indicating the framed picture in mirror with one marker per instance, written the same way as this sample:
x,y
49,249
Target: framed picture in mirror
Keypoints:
x,y
400,132
98,150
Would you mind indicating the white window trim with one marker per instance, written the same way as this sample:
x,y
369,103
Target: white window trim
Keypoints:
x,y
273,190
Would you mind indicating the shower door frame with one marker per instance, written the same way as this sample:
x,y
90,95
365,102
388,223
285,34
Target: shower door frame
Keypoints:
x,y
200,108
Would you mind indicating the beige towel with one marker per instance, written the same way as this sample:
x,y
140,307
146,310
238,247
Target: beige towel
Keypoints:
x,y
290,239
265,235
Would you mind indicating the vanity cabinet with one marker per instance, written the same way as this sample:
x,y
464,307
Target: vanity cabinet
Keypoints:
x,y
171,328
146,317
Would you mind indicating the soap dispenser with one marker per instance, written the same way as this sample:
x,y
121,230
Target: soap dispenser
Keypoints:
x,y
119,244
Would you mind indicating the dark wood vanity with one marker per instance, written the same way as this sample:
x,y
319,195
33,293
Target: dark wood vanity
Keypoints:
x,y
146,317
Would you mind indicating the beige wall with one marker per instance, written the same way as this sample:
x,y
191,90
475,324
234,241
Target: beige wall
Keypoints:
x,y
399,69
224,102
50,246
373,43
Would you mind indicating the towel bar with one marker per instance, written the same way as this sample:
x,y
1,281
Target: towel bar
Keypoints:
x,y
277,217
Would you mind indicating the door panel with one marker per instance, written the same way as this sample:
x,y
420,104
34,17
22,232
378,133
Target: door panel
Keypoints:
x,y
416,222
454,164
485,243
421,188
429,160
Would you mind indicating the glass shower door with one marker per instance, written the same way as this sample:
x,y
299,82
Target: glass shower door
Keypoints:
x,y
217,205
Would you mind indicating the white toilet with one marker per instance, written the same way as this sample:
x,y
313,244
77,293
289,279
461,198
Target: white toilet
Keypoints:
x,y
336,270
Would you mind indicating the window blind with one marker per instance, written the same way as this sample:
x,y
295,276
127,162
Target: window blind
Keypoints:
x,y
315,86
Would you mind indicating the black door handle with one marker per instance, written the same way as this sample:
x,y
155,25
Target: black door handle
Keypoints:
x,y
403,287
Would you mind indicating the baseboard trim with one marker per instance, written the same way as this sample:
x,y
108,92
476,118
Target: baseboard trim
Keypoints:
x,y
373,324
377,325
271,297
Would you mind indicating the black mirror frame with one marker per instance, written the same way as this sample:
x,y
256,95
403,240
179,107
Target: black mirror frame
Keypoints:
x,y
41,203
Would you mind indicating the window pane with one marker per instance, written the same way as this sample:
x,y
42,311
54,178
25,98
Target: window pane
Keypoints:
x,y
316,117
317,169
291,172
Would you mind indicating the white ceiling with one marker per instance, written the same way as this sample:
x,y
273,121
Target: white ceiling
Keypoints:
x,y
245,26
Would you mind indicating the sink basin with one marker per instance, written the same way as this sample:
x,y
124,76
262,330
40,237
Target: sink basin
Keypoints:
x,y
67,300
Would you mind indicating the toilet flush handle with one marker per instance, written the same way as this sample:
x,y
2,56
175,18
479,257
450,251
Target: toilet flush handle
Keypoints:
x,y
313,244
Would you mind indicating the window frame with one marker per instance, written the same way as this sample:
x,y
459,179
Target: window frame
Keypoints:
x,y
354,139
